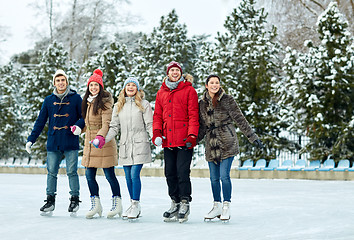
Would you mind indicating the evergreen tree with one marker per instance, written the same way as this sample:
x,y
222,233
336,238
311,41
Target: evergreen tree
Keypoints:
x,y
248,68
39,84
12,119
168,42
322,83
116,64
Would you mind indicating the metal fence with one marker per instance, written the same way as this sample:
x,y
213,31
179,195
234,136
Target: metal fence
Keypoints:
x,y
198,160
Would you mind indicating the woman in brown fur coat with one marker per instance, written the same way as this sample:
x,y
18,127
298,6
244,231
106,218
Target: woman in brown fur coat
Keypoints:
x,y
218,112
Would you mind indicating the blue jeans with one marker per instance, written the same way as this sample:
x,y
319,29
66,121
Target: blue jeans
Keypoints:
x,y
53,161
132,177
221,171
110,176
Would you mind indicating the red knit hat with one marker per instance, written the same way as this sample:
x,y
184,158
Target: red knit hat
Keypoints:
x,y
173,64
96,77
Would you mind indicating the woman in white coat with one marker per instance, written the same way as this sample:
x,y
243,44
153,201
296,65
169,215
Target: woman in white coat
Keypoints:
x,y
132,117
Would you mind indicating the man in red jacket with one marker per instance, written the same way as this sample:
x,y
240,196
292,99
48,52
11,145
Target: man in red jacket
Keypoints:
x,y
175,127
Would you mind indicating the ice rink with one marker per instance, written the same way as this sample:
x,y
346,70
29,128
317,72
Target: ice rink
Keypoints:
x,y
261,209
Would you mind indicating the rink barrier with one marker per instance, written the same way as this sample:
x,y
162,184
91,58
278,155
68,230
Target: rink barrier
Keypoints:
x,y
204,173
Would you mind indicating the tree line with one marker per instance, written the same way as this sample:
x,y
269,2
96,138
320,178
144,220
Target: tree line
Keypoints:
x,y
278,87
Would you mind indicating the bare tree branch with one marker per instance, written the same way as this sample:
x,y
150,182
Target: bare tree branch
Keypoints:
x,y
308,8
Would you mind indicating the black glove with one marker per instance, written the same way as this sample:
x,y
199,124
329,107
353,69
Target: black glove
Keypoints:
x,y
258,143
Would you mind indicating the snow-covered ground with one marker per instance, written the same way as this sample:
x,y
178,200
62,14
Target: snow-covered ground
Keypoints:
x,y
261,209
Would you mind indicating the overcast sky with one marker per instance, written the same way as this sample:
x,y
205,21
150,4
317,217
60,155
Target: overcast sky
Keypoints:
x,y
200,16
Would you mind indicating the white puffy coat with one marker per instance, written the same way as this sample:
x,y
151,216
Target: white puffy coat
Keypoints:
x,y
135,127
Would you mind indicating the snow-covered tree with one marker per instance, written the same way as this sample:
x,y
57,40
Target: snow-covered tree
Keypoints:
x,y
168,42
248,66
12,106
39,84
322,83
116,64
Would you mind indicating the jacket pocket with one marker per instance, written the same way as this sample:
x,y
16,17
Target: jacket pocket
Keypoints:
x,y
122,151
141,147
181,130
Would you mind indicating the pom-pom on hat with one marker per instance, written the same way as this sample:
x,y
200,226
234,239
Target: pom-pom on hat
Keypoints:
x,y
173,64
132,80
96,77
60,72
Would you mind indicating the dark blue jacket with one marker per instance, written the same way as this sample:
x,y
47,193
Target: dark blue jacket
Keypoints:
x,y
61,115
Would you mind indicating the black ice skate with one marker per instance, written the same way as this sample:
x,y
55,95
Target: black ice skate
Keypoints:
x,y
183,211
49,206
74,205
171,214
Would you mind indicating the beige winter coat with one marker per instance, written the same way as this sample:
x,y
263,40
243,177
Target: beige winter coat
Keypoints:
x,y
135,127
99,125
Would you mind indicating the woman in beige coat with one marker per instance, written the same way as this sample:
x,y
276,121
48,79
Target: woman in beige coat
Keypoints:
x,y
97,112
132,117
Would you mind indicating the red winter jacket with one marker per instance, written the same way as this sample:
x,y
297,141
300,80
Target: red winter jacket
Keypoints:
x,y
177,113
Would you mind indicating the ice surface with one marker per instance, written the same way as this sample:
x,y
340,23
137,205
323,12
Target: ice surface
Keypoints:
x,y
261,209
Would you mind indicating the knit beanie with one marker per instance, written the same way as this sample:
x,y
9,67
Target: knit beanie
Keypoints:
x,y
60,72
173,64
96,77
132,80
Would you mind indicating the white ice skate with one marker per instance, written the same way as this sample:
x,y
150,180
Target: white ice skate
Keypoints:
x,y
117,208
96,207
215,212
183,211
225,216
135,211
171,214
125,214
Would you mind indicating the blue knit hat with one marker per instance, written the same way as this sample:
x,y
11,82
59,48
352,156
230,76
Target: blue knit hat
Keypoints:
x,y
132,80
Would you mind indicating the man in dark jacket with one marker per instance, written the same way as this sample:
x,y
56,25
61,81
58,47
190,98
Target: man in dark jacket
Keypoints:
x,y
175,127
63,109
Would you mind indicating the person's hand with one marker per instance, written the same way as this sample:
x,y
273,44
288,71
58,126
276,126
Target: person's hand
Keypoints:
x,y
98,142
191,141
157,138
28,147
76,130
258,143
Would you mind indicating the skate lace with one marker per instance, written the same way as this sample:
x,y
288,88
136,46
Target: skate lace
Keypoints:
x,y
114,204
184,208
93,204
173,207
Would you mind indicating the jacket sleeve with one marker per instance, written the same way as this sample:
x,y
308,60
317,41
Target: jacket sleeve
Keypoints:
x,y
40,122
202,127
193,113
240,120
147,115
114,126
80,122
106,118
158,117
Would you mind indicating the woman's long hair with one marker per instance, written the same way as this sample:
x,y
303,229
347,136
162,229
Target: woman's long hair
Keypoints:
x,y
139,96
216,96
98,104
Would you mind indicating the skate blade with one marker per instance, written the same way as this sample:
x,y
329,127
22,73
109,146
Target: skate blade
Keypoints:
x,y
73,214
133,219
172,219
211,219
47,214
182,220
225,220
